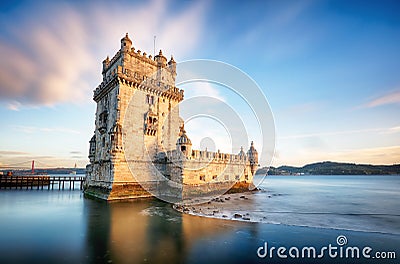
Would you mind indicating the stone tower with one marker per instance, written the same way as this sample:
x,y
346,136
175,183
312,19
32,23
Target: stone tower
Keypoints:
x,y
136,103
252,154
140,147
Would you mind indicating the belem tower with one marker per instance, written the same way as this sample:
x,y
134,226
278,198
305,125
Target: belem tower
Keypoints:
x,y
140,147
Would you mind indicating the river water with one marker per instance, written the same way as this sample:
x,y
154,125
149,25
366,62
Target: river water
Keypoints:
x,y
41,226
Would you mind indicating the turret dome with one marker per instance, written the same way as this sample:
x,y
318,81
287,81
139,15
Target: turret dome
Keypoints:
x,y
183,139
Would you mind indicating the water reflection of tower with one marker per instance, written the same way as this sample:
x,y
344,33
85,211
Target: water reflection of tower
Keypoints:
x,y
97,234
148,231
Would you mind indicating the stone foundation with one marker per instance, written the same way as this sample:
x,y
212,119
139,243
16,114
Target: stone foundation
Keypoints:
x,y
119,191
240,187
192,192
164,191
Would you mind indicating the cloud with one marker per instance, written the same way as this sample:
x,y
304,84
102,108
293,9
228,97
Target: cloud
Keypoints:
x,y
53,54
344,132
75,152
11,152
390,98
202,88
14,106
281,26
290,13
32,129
45,62
393,130
301,109
378,155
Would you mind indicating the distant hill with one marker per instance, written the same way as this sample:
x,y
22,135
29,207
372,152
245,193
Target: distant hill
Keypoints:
x,y
333,168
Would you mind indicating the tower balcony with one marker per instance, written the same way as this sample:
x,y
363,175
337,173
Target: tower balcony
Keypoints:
x,y
102,128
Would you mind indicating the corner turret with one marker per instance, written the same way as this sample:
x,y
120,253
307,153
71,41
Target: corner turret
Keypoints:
x,y
253,158
126,43
183,143
241,153
172,67
106,64
161,60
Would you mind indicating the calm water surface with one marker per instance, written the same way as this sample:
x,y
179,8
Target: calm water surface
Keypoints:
x,y
41,226
360,203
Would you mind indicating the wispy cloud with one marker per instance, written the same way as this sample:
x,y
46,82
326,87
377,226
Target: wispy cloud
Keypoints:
x,y
390,98
53,54
276,31
14,106
13,153
205,89
301,109
377,155
32,129
394,130
344,132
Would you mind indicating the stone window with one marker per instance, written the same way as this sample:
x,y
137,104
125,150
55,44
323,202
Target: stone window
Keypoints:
x,y
150,126
103,142
202,177
214,177
149,99
226,177
237,177
246,177
103,122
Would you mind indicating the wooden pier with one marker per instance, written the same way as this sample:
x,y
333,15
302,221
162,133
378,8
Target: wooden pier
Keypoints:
x,y
40,182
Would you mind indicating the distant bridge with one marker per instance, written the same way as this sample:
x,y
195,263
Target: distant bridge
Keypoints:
x,y
22,175
31,165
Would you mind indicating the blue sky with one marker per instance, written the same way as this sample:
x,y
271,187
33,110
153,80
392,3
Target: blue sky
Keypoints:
x,y
329,70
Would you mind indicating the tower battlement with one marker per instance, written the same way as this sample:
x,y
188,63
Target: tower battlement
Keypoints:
x,y
155,75
137,81
204,155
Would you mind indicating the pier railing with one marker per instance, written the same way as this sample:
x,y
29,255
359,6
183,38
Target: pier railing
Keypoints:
x,y
40,182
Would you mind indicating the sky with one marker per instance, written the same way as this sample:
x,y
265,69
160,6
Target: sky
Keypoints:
x,y
329,70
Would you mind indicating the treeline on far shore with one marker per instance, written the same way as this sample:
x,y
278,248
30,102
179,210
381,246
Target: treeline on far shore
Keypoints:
x,y
333,168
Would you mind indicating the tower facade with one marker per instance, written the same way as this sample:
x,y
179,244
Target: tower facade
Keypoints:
x,y
145,85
